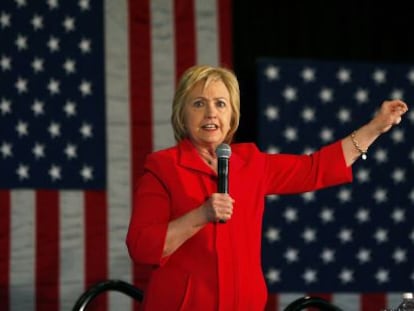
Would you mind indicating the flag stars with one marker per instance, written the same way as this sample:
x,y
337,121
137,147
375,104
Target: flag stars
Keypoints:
x,y
381,155
411,195
53,86
38,108
22,128
70,109
55,172
362,175
38,150
37,22
362,215
326,135
4,20
69,66
308,114
346,276
398,215
272,113
362,96
20,3
399,255
397,136
326,95
327,215
379,76
21,42
290,214
71,151
6,150
410,76
397,94
86,130
84,5
38,65
53,44
290,134
272,234
272,73
5,63
273,276
410,116
344,195
290,94
85,46
54,129
309,235
22,171
21,85
328,255
308,74
363,255
412,236
380,195
85,88
398,175
69,24
308,196
345,235
86,173
344,115
310,276
382,276
344,75
291,255
53,4
381,235
5,106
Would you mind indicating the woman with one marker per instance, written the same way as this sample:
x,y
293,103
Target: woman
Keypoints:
x,y
187,258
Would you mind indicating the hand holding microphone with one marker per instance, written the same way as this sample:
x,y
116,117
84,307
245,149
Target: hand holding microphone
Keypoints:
x,y
223,153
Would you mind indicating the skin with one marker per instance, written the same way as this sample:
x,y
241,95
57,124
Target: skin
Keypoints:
x,y
207,116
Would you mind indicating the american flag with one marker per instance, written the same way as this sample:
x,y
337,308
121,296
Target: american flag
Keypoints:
x,y
351,244
86,90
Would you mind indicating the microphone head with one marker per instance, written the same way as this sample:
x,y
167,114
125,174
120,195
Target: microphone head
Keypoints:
x,y
223,151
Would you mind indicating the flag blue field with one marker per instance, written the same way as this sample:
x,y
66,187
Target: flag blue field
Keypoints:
x,y
352,238
52,100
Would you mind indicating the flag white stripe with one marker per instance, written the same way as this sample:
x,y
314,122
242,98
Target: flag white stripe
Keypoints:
x,y
118,145
394,299
287,298
163,71
206,32
22,257
347,301
72,247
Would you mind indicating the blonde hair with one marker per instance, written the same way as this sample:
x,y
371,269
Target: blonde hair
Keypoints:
x,y
188,80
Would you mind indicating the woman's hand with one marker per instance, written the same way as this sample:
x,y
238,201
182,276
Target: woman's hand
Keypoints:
x,y
219,207
389,114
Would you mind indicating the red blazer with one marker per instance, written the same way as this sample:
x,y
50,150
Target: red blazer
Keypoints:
x,y
219,268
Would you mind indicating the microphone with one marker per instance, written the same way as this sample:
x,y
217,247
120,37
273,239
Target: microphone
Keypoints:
x,y
223,153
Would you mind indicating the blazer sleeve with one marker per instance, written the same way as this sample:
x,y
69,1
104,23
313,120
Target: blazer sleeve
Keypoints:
x,y
290,174
149,221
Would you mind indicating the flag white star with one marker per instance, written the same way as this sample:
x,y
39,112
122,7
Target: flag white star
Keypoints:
x,y
290,214
53,44
70,66
397,94
55,172
70,151
6,150
85,46
327,215
54,129
326,95
291,255
272,234
5,106
308,196
21,42
290,134
379,76
69,24
309,235
398,175
308,114
310,276
399,255
362,215
290,94
328,255
326,135
344,115
4,20
272,113
273,276
84,5
397,135
37,22
381,155
362,175
86,130
85,88
398,215
37,107
308,74
363,255
53,86
37,65
382,276
346,276
344,75
362,96
23,172
380,195
70,109
38,150
345,235
381,235
344,195
22,128
86,173
272,73
5,63
21,85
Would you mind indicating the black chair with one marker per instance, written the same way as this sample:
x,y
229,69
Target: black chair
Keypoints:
x,y
137,294
111,285
311,302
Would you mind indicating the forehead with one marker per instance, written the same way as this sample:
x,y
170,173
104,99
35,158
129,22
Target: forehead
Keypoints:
x,y
210,87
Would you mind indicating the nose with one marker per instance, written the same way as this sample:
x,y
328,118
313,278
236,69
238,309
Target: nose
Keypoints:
x,y
211,110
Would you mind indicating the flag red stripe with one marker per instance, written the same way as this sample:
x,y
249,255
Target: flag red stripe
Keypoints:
x,y
96,243
5,227
225,32
272,302
47,250
373,301
140,79
140,84
185,46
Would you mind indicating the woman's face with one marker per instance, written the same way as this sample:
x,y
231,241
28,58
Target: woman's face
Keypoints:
x,y
207,114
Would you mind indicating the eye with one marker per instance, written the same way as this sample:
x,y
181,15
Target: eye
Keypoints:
x,y
221,104
198,103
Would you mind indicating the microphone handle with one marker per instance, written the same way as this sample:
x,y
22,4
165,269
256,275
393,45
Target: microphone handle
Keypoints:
x,y
223,175
223,178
